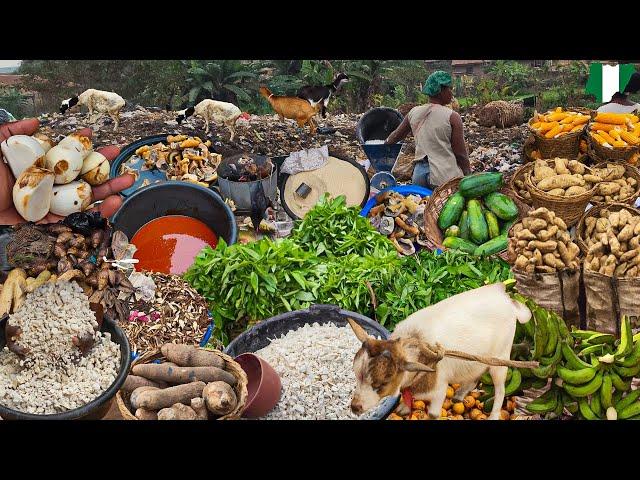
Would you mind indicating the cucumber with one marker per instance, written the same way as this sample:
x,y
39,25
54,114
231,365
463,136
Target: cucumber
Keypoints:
x,y
457,243
495,245
450,213
480,184
452,231
492,224
478,229
502,206
504,229
464,225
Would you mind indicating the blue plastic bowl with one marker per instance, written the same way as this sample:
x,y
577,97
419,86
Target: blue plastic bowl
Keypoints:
x,y
402,189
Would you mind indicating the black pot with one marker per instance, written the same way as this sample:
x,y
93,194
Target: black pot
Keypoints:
x,y
377,124
176,198
258,337
96,409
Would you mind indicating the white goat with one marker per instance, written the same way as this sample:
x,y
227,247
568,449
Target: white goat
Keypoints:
x,y
220,113
480,322
97,101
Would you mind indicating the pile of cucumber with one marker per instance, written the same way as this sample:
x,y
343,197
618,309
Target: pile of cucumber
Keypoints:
x,y
477,218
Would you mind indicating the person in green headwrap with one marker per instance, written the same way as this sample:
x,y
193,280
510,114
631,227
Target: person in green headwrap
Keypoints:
x,y
441,153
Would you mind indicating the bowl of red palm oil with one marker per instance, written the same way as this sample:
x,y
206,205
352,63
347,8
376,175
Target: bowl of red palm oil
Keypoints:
x,y
169,223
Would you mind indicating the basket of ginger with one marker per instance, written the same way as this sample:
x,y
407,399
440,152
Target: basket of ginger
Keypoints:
x,y
471,408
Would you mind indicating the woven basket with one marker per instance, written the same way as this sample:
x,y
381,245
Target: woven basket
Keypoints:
x,y
570,209
565,146
122,398
604,154
595,212
520,175
437,200
630,171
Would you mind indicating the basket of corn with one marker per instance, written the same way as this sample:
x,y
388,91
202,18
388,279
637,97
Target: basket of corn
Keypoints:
x,y
620,183
558,132
615,137
562,186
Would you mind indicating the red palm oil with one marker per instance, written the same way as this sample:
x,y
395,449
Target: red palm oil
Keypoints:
x,y
170,244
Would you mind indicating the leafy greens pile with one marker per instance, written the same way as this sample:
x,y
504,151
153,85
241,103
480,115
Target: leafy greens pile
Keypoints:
x,y
333,256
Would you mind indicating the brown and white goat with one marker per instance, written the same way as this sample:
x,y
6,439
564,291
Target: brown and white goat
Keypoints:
x,y
480,322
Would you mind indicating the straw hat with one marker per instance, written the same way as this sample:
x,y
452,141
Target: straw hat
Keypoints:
x,y
336,177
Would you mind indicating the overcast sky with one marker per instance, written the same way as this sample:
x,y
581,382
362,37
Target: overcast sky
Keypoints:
x,y
9,63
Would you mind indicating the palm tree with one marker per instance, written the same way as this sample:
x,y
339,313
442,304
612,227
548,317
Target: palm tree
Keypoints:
x,y
224,80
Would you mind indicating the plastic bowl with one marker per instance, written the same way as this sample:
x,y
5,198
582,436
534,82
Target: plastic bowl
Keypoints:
x,y
95,409
176,198
263,385
258,337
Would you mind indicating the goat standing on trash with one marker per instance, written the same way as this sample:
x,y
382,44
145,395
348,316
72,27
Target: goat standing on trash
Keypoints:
x,y
478,322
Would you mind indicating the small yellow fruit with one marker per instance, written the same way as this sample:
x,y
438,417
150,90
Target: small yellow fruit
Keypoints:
x,y
443,413
446,404
458,408
475,413
418,405
450,392
504,415
480,406
476,394
511,406
457,417
469,401
481,417
455,386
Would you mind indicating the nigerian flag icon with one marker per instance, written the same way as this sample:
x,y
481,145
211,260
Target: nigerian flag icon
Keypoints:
x,y
605,80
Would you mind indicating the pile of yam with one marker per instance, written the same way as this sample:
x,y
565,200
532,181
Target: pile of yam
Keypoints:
x,y
561,177
191,384
541,243
615,184
613,240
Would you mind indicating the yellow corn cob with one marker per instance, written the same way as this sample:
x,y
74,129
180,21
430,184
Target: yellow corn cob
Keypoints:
x,y
608,138
634,158
615,118
599,139
567,128
619,144
615,134
576,128
581,119
554,131
606,126
633,118
555,117
636,130
568,119
546,126
536,125
630,138
558,110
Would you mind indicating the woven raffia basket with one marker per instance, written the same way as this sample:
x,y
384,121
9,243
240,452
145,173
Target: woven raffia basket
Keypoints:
x,y
437,200
630,171
595,212
565,146
570,209
520,175
230,365
604,154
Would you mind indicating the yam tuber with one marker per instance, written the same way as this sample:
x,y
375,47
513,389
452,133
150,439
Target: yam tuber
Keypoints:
x,y
590,224
541,171
548,234
625,234
143,414
574,191
133,381
557,192
534,225
171,374
544,214
41,279
632,272
191,356
178,411
199,406
576,167
521,262
525,235
551,261
135,395
162,398
561,166
220,398
545,269
560,181
614,219
8,291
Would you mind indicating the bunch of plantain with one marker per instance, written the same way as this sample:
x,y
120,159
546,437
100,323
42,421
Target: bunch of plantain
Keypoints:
x,y
598,371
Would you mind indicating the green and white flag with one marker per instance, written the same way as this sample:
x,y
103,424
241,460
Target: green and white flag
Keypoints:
x,y
605,80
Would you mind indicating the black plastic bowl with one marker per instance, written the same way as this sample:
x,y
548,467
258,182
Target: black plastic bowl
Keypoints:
x,y
377,124
258,337
96,409
176,198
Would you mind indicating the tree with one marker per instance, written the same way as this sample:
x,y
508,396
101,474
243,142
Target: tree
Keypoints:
x,y
224,80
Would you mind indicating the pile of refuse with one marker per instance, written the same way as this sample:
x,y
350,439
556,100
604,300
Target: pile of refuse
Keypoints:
x,y
490,149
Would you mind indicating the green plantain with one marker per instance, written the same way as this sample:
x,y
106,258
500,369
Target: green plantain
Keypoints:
x,y
514,383
582,334
552,341
626,339
541,336
545,403
596,406
577,377
628,400
627,372
591,349
630,411
486,378
573,361
632,359
547,371
557,355
619,383
586,389
606,391
601,338
585,410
